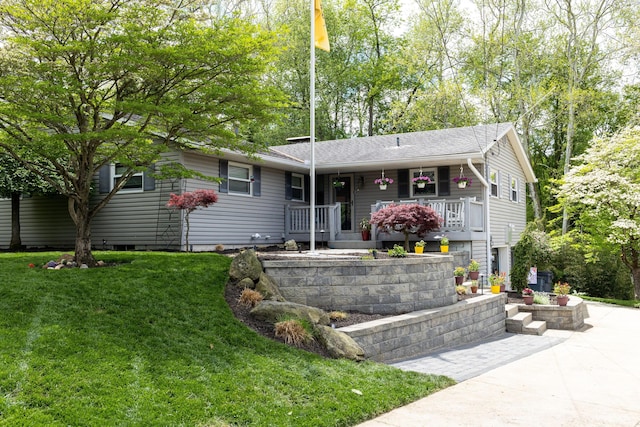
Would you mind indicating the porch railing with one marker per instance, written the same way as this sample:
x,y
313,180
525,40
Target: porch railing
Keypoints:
x,y
298,219
465,214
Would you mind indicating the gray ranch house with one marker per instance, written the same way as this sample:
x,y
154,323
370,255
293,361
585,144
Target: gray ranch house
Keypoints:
x,y
265,200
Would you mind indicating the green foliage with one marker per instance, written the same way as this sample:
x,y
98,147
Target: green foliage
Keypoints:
x,y
397,252
541,298
533,249
459,271
152,341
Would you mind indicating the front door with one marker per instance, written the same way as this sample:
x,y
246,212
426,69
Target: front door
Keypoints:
x,y
342,191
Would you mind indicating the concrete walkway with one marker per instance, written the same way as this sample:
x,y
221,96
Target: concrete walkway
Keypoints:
x,y
587,378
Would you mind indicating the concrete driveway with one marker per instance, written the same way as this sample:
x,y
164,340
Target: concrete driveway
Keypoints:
x,y
589,378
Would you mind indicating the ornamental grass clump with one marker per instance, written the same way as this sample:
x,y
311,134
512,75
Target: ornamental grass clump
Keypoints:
x,y
293,331
249,297
338,315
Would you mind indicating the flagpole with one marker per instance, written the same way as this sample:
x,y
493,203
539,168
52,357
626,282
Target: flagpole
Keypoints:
x,y
312,129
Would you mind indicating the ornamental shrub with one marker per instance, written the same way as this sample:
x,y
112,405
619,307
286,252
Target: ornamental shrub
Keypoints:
x,y
407,219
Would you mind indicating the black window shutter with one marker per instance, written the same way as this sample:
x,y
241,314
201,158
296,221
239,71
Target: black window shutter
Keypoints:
x,y
443,181
104,179
149,180
404,184
287,186
257,181
307,188
224,174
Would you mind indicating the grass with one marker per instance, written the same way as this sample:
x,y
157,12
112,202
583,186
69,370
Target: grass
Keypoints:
x,y
152,342
622,302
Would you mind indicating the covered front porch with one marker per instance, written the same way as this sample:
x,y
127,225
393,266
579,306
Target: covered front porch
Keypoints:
x,y
463,220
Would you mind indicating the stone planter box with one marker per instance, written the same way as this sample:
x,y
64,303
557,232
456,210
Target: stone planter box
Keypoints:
x,y
570,317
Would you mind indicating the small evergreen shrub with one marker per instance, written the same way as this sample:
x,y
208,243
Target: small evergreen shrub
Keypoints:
x,y
397,252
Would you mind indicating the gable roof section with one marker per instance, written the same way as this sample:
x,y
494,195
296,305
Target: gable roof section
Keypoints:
x,y
405,150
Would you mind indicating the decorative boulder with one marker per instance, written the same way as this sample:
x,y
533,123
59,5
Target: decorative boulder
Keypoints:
x,y
245,264
290,245
339,344
269,288
246,283
273,311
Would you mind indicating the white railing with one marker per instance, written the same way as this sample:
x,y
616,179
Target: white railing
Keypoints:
x,y
457,215
298,219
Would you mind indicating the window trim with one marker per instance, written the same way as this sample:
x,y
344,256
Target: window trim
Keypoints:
x,y
514,193
301,187
434,182
250,180
115,177
495,183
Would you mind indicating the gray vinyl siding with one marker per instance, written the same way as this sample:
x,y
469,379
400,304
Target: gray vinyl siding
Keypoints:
x,y
140,220
502,211
44,223
235,218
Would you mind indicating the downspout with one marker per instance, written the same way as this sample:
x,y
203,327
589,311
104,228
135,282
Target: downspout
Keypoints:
x,y
486,210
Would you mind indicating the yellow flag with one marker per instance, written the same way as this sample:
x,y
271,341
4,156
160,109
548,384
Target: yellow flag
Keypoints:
x,y
320,36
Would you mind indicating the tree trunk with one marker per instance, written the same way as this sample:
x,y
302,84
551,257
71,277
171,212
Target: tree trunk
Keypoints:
x,y
16,240
635,273
82,220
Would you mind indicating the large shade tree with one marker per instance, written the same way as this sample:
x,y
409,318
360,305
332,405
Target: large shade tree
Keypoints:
x,y
604,193
88,83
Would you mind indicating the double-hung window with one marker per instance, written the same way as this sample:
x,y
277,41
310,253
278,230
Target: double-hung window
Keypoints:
x,y
240,178
297,186
513,193
134,183
430,186
494,182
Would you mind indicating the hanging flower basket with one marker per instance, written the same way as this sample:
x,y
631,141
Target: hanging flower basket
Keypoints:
x,y
462,181
383,182
338,184
421,181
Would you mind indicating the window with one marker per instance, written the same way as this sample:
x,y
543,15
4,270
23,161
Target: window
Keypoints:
x,y
240,179
297,186
430,188
134,183
514,189
494,181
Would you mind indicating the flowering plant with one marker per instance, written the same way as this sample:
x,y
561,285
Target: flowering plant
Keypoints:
x,y
421,178
497,279
338,184
383,181
527,292
561,288
458,179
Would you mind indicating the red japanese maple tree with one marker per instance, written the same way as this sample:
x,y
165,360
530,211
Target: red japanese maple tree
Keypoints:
x,y
189,202
408,219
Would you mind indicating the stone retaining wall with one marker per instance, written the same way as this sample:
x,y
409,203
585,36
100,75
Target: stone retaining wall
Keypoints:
x,y
571,317
415,334
372,286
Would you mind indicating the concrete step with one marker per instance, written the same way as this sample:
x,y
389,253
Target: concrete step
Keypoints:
x,y
510,310
536,327
517,322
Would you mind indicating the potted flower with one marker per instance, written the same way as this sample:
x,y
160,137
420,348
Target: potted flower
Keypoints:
x,y
444,244
462,181
337,183
497,282
383,182
365,229
420,247
474,286
474,269
527,296
421,181
458,273
562,293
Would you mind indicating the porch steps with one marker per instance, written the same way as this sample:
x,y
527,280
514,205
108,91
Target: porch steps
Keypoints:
x,y
523,323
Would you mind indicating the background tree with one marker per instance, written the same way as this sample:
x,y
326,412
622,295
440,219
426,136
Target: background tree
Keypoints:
x,y
88,83
189,201
406,219
15,180
604,193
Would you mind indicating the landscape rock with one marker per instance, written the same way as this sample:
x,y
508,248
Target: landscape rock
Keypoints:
x,y
339,344
290,245
245,264
269,288
272,311
246,283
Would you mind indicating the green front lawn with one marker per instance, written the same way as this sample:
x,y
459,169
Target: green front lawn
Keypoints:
x,y
153,342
